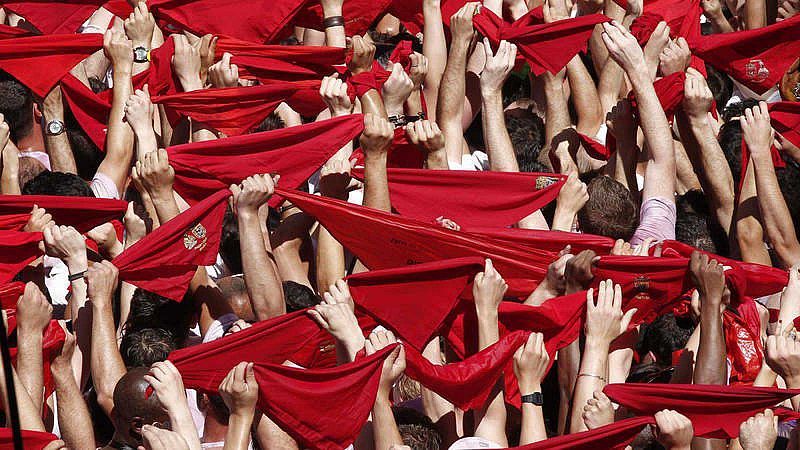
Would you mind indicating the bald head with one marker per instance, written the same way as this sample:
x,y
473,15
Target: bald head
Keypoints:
x,y
134,406
235,291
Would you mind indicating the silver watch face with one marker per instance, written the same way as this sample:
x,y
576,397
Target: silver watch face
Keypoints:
x,y
55,127
140,54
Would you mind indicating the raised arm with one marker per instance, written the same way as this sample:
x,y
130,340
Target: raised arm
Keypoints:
x,y
168,386
139,28
139,112
260,273
157,177
74,420
239,391
495,72
434,47
333,182
375,142
530,366
584,97
33,316
333,23
758,136
384,427
57,144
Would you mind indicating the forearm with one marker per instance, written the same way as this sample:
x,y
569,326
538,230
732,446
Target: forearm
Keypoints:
x,y
450,106
720,24
568,360
107,367
755,14
29,417
334,36
491,418
749,233
383,425
330,260
611,78
182,423
119,140
74,420
165,205
532,429
371,103
584,97
30,364
270,435
774,212
434,47
498,142
376,183
592,377
126,291
556,114
146,141
58,147
543,292
9,179
238,434
292,247
263,283
710,367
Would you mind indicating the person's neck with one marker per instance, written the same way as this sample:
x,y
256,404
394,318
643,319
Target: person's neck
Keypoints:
x,y
34,141
214,429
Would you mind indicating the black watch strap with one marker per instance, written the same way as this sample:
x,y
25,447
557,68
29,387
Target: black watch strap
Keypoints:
x,y
536,398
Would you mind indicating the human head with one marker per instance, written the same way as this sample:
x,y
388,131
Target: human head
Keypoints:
x,y
29,168
271,122
234,289
298,296
695,225
143,347
666,334
17,106
87,156
526,131
416,429
721,87
57,183
229,242
135,407
150,310
610,210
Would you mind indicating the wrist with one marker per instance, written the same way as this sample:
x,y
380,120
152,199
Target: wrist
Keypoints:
x,y
247,213
115,249
527,387
76,264
191,83
793,381
597,344
393,107
331,11
375,156
486,313
161,195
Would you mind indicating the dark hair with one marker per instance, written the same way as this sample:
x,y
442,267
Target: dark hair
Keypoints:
x,y
229,249
526,131
610,211
663,336
87,155
271,122
416,429
149,310
298,296
721,87
16,105
57,183
696,226
143,347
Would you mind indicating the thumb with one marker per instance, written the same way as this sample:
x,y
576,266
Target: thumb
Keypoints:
x,y
250,374
626,319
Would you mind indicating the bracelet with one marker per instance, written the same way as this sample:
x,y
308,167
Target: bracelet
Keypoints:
x,y
76,276
398,121
333,21
411,119
592,376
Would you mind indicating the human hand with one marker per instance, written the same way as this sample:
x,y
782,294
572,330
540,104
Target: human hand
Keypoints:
x,y
139,110
33,310
105,235
239,390
239,325
461,22
396,90
167,383
63,360
697,97
759,432
444,222
334,93
139,26
418,70
782,353
497,67
101,281
573,194
207,47
336,315
363,55
393,366
531,362
786,146
155,438
555,271
712,8
335,178
604,319
377,136
598,411
40,219
5,134
67,244
488,289
634,8
119,50
757,130
186,63
675,430
426,135
135,228
223,74
709,278
156,174
253,192
578,273
554,10
623,48
675,57
656,44
788,9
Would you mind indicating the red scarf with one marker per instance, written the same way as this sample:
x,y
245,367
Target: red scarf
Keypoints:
x,y
505,199
54,17
32,440
594,148
547,47
551,241
8,32
360,15
669,91
10,294
235,110
83,213
614,436
682,17
716,411
17,250
165,260
756,58
202,168
785,119
52,341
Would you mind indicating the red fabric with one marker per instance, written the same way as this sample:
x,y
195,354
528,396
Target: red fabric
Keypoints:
x,y
17,250
32,440
39,62
551,241
55,17
90,110
785,118
743,348
359,15
595,149
547,47
257,21
396,241
669,90
505,198
236,110
165,260
322,409
614,436
8,32
202,168
682,17
10,294
716,411
83,213
52,341
392,296
756,58
269,63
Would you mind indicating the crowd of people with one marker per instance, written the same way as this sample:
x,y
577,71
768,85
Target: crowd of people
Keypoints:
x,y
400,224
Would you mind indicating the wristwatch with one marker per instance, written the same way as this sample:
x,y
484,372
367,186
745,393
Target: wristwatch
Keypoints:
x,y
141,55
536,398
55,127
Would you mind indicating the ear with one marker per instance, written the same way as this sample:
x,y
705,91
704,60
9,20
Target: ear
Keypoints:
x,y
37,112
650,355
136,425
